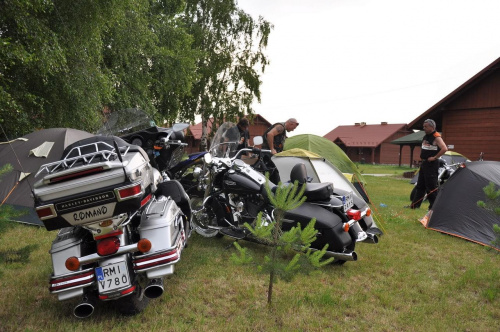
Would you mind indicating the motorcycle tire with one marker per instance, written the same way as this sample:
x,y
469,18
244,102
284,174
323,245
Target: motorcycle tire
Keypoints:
x,y
196,204
132,304
414,192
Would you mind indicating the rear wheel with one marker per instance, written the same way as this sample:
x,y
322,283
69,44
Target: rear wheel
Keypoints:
x,y
202,220
132,304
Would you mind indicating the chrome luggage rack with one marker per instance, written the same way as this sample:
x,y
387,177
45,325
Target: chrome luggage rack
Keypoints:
x,y
106,154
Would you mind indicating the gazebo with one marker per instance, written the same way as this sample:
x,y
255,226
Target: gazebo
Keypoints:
x,y
412,140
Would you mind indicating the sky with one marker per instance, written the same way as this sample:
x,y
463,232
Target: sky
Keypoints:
x,y
337,62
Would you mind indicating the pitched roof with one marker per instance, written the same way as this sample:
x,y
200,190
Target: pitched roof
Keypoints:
x,y
435,111
412,139
362,135
195,130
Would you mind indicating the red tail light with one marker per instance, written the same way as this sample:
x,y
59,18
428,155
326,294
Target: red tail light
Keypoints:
x,y
129,192
108,246
76,175
46,212
145,200
354,214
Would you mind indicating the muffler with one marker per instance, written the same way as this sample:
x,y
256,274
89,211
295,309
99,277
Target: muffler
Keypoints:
x,y
85,308
345,256
371,238
154,289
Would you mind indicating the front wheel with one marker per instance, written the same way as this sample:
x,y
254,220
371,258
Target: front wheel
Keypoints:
x,y
202,220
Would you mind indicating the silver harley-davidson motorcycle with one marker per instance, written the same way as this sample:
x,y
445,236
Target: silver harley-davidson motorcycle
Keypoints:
x,y
121,225
235,193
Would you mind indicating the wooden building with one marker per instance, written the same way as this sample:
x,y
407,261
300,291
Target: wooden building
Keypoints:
x,y
469,117
370,143
258,125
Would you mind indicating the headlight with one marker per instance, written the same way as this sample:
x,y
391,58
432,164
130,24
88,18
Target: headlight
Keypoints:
x,y
197,172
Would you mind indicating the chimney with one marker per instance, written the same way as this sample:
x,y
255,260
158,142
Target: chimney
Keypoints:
x,y
383,123
356,123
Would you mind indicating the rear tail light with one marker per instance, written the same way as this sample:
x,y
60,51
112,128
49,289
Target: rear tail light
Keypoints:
x,y
354,214
108,246
129,192
76,175
46,212
81,279
145,200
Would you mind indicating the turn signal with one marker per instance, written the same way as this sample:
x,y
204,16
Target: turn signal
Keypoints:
x,y
72,263
368,212
346,227
144,245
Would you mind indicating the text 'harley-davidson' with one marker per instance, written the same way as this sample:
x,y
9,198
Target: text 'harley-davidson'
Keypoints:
x,y
122,226
235,193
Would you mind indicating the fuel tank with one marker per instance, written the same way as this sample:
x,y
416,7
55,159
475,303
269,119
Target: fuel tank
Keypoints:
x,y
241,183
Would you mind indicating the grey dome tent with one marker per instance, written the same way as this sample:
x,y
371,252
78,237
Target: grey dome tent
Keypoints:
x,y
26,155
455,211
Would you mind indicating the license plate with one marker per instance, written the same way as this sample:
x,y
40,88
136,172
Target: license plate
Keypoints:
x,y
113,276
347,201
90,214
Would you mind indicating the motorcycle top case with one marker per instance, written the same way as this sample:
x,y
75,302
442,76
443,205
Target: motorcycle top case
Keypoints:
x,y
93,186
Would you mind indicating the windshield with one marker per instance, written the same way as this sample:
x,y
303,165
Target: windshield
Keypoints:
x,y
226,140
126,121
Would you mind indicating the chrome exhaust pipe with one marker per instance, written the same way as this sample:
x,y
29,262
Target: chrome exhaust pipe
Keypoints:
x,y
85,308
154,289
371,238
345,256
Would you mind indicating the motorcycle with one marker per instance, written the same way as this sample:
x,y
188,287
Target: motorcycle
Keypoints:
x,y
122,226
445,171
234,193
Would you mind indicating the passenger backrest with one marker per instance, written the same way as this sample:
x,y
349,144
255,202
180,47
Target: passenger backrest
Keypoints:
x,y
298,173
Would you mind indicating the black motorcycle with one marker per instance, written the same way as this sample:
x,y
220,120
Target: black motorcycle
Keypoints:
x,y
235,193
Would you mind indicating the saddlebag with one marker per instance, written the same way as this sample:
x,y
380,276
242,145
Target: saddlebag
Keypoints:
x,y
328,225
63,282
163,225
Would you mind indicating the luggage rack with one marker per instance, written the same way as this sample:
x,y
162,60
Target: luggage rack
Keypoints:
x,y
107,153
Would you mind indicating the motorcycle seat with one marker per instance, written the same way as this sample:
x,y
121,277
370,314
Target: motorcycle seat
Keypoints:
x,y
314,191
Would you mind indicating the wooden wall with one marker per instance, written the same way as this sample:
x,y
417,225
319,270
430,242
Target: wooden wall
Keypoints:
x,y
471,122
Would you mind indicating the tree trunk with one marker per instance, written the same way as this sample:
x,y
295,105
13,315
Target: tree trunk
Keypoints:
x,y
204,140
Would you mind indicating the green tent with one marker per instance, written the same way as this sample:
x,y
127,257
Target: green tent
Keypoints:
x,y
326,149
331,152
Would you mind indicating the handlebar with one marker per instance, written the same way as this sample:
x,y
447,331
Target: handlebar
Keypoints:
x,y
253,150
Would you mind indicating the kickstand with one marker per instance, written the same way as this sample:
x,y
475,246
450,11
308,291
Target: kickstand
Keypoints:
x,y
230,245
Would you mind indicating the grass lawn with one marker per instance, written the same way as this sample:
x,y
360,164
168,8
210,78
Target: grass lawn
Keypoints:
x,y
413,280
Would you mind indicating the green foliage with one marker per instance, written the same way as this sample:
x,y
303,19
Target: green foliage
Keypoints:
x,y
295,242
492,203
229,44
64,62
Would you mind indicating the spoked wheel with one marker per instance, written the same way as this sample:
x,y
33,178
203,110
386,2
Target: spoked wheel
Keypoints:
x,y
201,219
